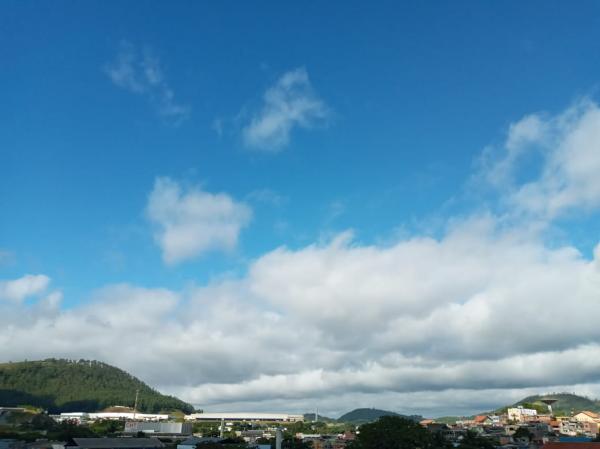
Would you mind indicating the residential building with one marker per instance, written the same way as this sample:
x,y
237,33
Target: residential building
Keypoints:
x,y
571,445
587,416
520,414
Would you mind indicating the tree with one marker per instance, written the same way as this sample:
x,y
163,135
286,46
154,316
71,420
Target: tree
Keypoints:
x,y
474,441
394,432
522,432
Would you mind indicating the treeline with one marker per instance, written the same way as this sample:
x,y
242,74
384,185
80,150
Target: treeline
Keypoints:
x,y
60,385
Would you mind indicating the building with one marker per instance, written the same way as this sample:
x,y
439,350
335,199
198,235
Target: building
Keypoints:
x,y
587,416
233,417
83,416
250,436
170,428
571,445
521,414
483,420
117,443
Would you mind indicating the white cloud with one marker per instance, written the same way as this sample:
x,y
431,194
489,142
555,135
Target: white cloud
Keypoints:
x,y
291,102
478,309
190,223
141,73
18,289
566,148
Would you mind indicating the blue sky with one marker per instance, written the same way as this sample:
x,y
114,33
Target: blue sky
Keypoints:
x,y
173,147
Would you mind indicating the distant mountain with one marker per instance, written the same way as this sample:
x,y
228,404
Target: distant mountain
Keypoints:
x,y
366,415
87,386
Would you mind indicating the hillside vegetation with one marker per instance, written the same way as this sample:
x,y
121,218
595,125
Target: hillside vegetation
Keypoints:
x,y
64,386
566,404
367,415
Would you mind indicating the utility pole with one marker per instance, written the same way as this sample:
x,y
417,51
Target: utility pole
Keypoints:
x,y
137,392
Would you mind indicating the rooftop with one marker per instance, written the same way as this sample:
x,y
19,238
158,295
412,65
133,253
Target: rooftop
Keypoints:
x,y
118,443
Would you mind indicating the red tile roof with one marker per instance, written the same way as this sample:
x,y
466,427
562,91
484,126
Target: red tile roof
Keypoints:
x,y
571,445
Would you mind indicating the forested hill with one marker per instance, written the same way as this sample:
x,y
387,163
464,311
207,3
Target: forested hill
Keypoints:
x,y
566,403
365,415
66,385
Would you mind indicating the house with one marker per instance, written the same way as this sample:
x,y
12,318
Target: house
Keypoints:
x,y
587,416
250,436
117,443
483,420
520,414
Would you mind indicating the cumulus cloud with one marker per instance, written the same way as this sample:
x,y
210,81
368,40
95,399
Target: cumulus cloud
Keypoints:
x,y
477,309
18,289
464,322
561,151
190,223
291,102
140,72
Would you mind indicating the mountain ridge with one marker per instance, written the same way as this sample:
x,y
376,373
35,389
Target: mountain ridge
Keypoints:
x,y
366,415
566,403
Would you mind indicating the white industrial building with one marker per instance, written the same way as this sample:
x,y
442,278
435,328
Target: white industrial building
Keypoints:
x,y
83,416
246,416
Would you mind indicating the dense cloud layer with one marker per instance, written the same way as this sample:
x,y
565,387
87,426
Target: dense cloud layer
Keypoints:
x,y
485,313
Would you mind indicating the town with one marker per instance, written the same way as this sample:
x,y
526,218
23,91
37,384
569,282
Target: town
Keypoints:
x,y
120,427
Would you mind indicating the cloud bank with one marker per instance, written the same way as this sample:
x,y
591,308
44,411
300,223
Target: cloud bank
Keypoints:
x,y
486,313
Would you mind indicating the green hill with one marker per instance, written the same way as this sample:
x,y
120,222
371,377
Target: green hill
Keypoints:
x,y
66,386
366,415
566,403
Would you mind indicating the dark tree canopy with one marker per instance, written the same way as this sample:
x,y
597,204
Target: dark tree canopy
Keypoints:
x,y
393,432
474,441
